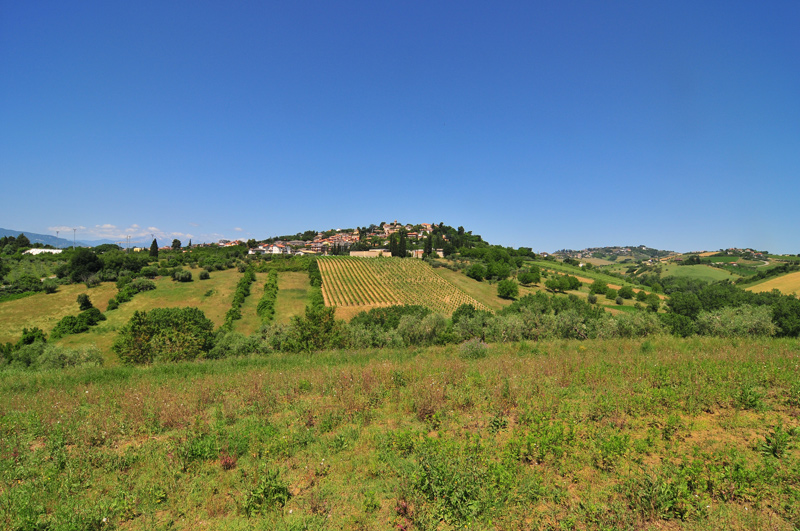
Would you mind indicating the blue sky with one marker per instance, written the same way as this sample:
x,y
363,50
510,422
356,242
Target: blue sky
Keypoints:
x,y
542,124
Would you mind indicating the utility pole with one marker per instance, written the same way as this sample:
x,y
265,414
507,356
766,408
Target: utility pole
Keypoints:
x,y
74,232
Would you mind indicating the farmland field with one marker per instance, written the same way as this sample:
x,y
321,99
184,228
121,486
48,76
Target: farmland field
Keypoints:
x,y
786,284
292,295
359,283
212,296
701,272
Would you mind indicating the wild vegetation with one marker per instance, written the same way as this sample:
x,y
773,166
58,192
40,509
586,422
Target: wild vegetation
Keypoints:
x,y
622,434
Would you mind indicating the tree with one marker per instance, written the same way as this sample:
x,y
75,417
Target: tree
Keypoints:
x,y
626,292
507,289
598,286
23,241
611,294
176,244
164,334
84,302
530,276
83,264
401,246
154,249
476,271
428,251
251,243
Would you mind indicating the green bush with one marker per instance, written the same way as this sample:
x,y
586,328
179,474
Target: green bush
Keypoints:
x,y
473,349
266,306
50,286
164,334
182,276
740,321
204,275
611,294
72,324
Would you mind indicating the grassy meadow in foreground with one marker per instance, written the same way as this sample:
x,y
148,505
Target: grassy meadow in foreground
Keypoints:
x,y
615,434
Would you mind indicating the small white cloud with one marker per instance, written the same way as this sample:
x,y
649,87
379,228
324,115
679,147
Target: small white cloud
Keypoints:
x,y
194,224
238,229
59,229
153,229
177,234
107,226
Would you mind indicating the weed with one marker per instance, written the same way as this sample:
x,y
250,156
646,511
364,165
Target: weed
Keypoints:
x,y
270,492
497,424
227,461
609,449
371,503
776,442
749,397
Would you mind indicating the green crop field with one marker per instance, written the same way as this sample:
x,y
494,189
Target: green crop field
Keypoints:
x,y
353,284
702,272
666,433
292,295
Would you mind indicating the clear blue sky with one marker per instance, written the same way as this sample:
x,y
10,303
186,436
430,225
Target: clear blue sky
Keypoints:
x,y
542,124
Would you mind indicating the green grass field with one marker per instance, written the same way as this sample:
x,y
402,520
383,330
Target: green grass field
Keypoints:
x,y
44,311
701,272
697,434
292,297
212,296
592,274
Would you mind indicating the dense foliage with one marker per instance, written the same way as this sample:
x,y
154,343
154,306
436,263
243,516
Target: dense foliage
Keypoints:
x,y
165,334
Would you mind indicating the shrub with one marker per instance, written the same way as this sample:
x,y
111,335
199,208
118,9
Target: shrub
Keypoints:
x,y
149,271
592,298
204,275
234,344
112,305
164,334
473,349
620,301
72,324
182,276
611,294
737,322
50,286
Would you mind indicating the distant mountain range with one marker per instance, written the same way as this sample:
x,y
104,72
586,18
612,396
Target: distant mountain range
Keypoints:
x,y
47,239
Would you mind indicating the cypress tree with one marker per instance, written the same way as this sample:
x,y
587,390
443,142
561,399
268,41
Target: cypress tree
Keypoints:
x,y
154,249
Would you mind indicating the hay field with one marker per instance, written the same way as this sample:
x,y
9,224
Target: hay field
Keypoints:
x,y
786,284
